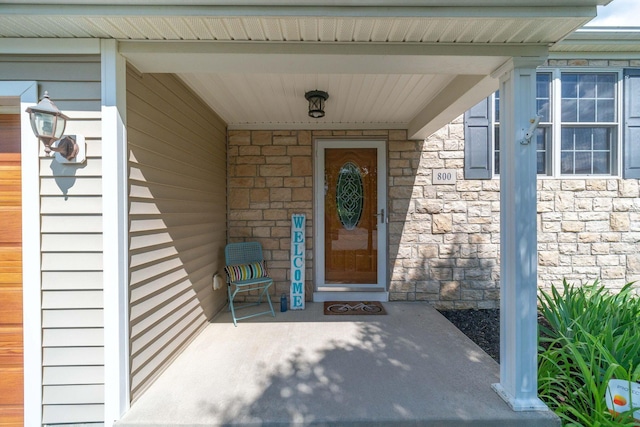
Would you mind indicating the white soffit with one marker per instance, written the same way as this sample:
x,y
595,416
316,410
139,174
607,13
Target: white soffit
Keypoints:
x,y
535,28
274,101
262,86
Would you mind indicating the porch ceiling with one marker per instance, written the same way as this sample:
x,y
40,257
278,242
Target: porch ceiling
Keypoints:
x,y
412,64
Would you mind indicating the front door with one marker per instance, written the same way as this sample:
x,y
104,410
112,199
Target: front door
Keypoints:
x,y
350,220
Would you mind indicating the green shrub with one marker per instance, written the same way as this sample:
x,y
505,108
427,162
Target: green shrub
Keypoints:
x,y
590,337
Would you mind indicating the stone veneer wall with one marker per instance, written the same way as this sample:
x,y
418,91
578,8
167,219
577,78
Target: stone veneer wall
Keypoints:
x,y
448,251
270,177
444,240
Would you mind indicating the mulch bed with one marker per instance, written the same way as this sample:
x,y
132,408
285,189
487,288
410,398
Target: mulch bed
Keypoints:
x,y
482,327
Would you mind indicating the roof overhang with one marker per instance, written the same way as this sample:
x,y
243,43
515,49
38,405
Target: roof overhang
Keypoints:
x,y
599,42
408,64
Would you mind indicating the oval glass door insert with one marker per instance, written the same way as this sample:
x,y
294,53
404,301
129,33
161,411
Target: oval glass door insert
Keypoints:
x,y
349,195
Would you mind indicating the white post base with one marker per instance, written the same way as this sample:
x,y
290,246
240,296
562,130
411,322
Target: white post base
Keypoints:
x,y
519,405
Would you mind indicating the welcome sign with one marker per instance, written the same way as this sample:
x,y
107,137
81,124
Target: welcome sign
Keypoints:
x,y
297,261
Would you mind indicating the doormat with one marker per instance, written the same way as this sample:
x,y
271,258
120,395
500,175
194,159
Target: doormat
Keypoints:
x,y
353,307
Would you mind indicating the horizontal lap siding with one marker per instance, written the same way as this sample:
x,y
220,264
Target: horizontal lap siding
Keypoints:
x,y
71,247
177,202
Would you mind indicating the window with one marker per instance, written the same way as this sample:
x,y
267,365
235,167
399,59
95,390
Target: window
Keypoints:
x,y
543,105
579,126
588,123
543,133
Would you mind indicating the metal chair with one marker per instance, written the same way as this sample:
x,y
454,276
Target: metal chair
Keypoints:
x,y
245,273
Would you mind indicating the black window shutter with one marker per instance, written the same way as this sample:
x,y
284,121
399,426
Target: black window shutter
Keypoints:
x,y
631,130
478,155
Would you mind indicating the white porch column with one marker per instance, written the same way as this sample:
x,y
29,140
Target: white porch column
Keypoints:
x,y
115,232
518,239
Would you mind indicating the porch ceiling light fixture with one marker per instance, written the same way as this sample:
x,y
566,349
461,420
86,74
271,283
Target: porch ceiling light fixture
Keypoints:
x,y
316,100
48,124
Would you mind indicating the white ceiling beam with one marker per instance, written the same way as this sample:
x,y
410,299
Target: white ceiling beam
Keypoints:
x,y
324,48
463,92
319,58
29,46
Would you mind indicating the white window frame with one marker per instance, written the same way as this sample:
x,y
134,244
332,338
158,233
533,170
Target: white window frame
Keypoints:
x,y
555,124
616,149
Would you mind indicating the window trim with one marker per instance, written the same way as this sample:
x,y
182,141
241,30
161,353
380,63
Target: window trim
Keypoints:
x,y
555,124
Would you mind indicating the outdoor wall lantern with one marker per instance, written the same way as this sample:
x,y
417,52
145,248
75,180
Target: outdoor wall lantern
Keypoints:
x,y
48,124
316,100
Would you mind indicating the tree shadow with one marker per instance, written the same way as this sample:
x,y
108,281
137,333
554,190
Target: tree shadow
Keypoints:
x,y
376,374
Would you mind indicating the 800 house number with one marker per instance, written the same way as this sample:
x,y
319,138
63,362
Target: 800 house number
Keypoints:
x,y
444,176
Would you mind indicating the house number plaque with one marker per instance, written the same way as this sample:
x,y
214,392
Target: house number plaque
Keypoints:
x,y
444,176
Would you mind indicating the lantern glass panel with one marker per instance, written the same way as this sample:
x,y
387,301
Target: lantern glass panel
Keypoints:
x,y
43,124
59,127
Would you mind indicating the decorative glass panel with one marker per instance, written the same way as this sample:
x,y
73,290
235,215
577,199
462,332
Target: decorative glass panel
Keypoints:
x,y
349,195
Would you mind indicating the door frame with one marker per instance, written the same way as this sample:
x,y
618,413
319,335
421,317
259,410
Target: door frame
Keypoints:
x,y
345,292
27,94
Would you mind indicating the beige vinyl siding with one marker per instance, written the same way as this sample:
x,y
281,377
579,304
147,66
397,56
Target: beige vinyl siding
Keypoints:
x,y
71,249
177,202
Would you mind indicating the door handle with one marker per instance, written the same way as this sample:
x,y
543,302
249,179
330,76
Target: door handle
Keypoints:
x,y
381,215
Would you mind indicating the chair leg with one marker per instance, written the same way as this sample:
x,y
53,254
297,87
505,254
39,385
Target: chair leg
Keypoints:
x,y
231,307
264,292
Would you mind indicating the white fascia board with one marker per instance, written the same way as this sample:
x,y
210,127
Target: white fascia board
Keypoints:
x,y
601,33
357,3
611,55
599,43
441,9
28,46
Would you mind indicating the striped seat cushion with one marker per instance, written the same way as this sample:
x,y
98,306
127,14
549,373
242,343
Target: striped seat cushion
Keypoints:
x,y
238,273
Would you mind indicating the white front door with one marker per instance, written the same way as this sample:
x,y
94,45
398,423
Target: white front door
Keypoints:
x,y
350,220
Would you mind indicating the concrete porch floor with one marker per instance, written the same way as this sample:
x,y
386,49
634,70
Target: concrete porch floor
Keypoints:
x,y
411,367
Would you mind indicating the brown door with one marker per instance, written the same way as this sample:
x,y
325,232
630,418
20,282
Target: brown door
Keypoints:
x,y
11,364
351,247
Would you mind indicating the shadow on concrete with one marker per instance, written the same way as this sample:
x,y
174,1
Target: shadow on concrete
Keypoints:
x,y
410,367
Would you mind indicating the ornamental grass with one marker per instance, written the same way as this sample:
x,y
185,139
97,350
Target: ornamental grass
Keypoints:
x,y
589,336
